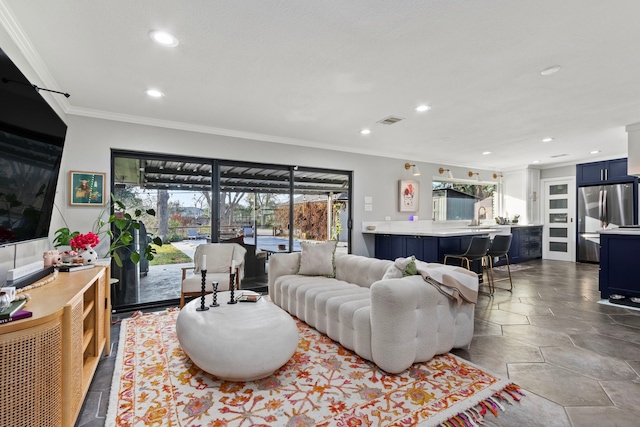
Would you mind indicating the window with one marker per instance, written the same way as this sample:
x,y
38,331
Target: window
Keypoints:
x,y
463,201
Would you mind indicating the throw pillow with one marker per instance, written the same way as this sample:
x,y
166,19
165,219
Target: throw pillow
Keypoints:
x,y
401,267
219,257
318,259
410,269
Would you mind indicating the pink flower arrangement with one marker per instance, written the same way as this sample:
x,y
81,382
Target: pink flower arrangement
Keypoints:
x,y
82,240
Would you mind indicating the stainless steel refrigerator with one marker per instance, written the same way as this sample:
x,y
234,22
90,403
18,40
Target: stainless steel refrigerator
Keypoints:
x,y
601,207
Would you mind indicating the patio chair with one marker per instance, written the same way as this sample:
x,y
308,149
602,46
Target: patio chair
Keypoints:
x,y
247,231
219,259
193,234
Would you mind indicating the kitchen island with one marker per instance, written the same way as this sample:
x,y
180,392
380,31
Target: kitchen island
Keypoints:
x,y
618,280
430,242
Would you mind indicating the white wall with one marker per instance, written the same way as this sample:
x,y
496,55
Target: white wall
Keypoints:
x,y
559,172
515,194
89,143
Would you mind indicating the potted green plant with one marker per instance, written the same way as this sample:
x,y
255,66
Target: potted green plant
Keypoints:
x,y
125,225
63,237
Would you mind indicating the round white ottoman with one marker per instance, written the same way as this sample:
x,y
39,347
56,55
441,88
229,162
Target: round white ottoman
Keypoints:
x,y
237,342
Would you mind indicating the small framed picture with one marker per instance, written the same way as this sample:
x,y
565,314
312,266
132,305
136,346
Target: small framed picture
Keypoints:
x,y
409,195
86,188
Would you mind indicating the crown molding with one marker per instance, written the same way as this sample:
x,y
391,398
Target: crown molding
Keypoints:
x,y
633,127
189,127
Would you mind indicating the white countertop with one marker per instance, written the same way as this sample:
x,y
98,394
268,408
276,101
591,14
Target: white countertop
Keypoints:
x,y
440,229
621,231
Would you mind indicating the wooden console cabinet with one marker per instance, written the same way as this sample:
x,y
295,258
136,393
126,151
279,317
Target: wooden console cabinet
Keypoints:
x,y
48,360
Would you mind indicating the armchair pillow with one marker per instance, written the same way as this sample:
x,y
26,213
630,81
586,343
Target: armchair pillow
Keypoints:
x,y
318,259
219,257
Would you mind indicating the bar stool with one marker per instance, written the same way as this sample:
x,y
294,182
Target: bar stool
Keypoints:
x,y
477,250
499,248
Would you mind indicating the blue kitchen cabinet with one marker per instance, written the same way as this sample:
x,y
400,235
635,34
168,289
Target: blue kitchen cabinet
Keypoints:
x,y
424,248
389,246
392,246
618,257
605,172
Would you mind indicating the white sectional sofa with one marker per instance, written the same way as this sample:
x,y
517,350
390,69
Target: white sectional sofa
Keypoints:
x,y
391,322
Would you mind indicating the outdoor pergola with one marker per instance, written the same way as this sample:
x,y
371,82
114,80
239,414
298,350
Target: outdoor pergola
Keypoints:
x,y
232,177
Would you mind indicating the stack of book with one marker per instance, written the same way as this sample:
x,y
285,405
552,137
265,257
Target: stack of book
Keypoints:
x,y
14,312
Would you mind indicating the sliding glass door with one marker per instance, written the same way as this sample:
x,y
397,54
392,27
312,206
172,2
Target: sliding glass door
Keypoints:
x,y
266,208
320,207
180,193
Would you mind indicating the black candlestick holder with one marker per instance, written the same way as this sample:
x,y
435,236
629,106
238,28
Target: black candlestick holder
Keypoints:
x,y
204,283
215,295
232,278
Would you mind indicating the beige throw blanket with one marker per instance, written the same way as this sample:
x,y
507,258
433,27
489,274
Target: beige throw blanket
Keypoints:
x,y
456,283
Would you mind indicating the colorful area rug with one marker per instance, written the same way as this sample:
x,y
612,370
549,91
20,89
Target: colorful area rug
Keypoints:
x,y
156,384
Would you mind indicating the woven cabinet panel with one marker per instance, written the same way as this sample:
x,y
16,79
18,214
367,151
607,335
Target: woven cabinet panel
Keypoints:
x,y
31,377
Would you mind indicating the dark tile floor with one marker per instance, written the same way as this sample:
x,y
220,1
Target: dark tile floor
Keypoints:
x,y
578,361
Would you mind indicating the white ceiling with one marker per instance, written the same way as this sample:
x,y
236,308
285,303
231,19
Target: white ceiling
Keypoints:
x,y
314,73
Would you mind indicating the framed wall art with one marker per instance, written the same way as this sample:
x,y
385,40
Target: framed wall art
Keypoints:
x,y
409,195
86,188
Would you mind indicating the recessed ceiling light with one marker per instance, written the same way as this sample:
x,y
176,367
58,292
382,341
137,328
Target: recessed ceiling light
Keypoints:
x,y
547,140
536,161
594,152
422,108
484,153
155,93
551,70
163,38
365,131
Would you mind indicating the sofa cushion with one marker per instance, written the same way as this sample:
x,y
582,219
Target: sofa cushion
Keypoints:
x,y
360,270
317,259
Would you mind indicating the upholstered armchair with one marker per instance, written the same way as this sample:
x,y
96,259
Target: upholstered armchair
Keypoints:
x,y
219,259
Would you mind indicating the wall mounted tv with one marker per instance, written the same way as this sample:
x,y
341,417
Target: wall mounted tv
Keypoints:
x,y
31,141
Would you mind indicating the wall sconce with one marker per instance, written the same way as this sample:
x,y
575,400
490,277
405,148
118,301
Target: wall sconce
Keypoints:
x,y
416,171
477,174
448,171
498,176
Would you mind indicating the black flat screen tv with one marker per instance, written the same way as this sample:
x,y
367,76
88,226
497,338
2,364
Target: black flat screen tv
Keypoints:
x,y
31,142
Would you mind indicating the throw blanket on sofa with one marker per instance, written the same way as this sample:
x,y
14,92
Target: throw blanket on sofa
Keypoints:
x,y
462,288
